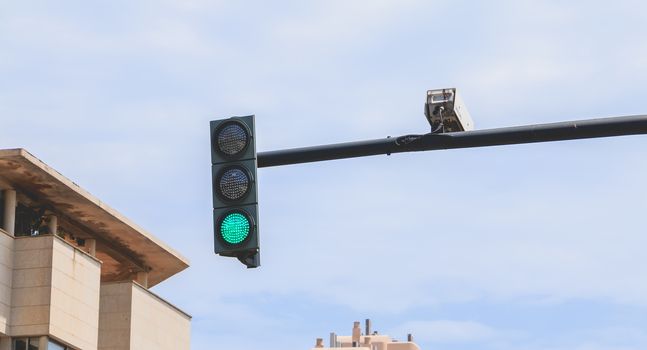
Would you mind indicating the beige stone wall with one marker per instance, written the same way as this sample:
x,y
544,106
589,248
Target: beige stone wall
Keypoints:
x,y
6,273
74,311
157,324
114,316
31,289
130,312
55,291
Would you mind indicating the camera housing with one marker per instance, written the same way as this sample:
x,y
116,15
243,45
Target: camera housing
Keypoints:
x,y
446,111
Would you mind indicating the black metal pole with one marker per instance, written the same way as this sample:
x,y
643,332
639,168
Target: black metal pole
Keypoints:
x,y
572,130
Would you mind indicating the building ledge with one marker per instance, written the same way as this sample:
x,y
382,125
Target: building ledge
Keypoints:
x,y
86,254
162,300
154,296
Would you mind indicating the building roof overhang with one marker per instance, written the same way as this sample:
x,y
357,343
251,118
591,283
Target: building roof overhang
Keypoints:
x,y
118,238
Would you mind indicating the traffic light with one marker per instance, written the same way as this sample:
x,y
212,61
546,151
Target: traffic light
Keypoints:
x,y
235,203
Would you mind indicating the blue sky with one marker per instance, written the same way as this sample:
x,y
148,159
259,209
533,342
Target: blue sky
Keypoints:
x,y
532,247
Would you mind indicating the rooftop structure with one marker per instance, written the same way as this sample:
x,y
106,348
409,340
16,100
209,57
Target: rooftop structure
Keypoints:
x,y
366,340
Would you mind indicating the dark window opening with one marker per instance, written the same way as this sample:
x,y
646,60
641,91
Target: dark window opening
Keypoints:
x,y
33,344
20,344
25,343
30,222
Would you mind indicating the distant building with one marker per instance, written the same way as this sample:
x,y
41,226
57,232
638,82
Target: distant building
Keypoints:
x,y
366,341
74,273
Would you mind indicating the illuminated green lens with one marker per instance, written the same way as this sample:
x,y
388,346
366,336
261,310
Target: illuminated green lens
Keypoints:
x,y
234,228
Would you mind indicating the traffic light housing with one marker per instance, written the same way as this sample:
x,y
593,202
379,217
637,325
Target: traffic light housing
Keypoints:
x,y
235,200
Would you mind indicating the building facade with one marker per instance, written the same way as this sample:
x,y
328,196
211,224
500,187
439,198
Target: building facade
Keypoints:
x,y
74,273
367,340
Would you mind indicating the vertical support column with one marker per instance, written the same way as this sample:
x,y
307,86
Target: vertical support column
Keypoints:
x,y
52,224
9,224
42,343
10,204
91,245
357,332
142,278
333,340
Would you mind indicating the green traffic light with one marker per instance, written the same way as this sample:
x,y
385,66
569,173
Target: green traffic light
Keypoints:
x,y
234,228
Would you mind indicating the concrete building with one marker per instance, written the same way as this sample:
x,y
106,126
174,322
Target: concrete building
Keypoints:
x,y
74,273
366,340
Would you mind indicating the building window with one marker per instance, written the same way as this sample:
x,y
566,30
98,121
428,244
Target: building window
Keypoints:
x,y
52,345
25,343
32,344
